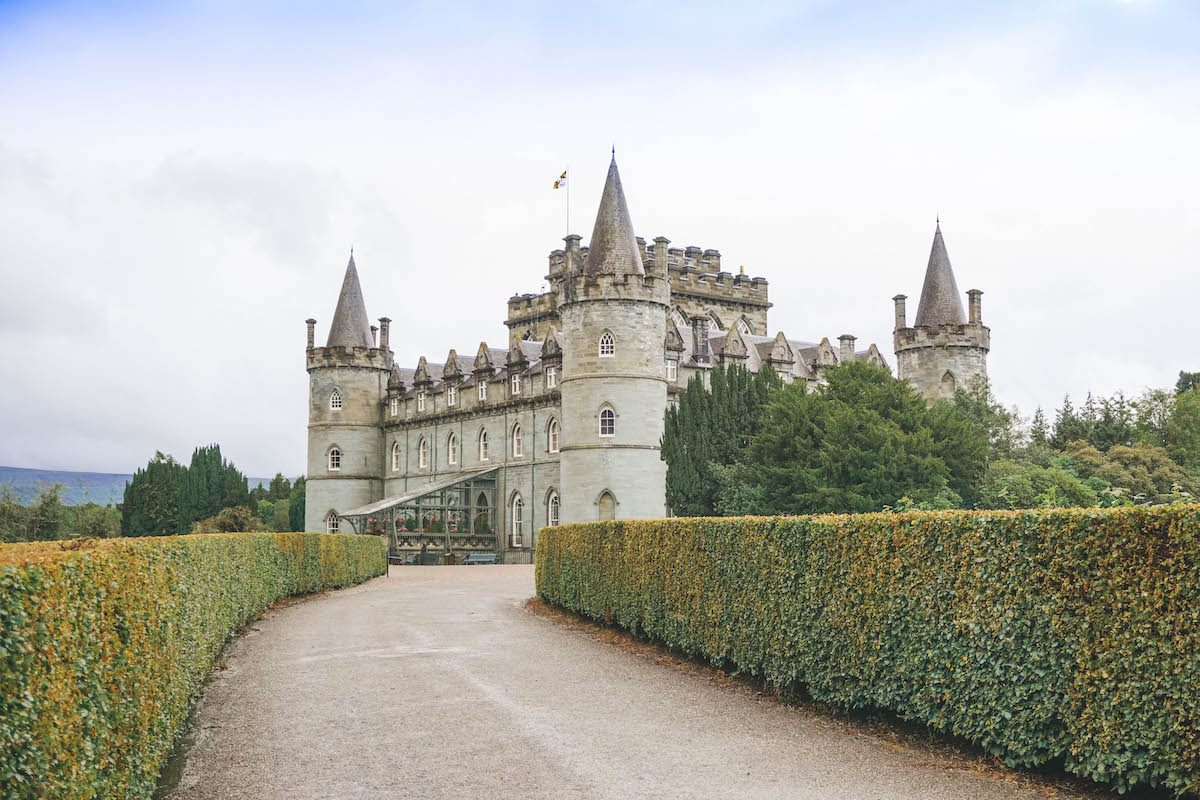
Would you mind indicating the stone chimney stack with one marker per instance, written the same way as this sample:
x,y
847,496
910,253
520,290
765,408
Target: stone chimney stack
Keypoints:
x,y
385,324
374,336
975,314
846,352
661,255
901,321
312,328
700,335
572,260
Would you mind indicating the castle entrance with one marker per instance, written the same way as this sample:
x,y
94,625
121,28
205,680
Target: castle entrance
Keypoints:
x,y
455,515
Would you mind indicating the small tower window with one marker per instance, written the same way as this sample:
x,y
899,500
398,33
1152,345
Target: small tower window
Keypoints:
x,y
483,446
516,385
423,454
482,389
518,442
552,509
607,507
518,514
672,370
552,436
551,377
335,459
452,449
331,522
608,345
335,401
394,406
608,422
451,396
395,456
420,401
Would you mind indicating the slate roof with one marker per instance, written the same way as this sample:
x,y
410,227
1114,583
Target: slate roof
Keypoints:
x,y
613,249
350,326
941,303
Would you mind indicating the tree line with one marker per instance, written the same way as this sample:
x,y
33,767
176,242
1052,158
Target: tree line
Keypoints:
x,y
164,498
863,441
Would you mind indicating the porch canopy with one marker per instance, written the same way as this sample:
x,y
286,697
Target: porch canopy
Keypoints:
x,y
457,513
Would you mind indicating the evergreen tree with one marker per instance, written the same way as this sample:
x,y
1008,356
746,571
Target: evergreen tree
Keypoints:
x,y
44,521
1068,426
280,489
1115,425
151,503
1039,431
1183,431
296,506
1188,381
12,515
211,484
996,424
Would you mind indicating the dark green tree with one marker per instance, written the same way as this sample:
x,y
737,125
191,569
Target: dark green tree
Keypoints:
x,y
1039,430
1116,423
711,427
1188,381
44,521
280,489
12,515
1068,426
296,507
996,424
151,503
211,484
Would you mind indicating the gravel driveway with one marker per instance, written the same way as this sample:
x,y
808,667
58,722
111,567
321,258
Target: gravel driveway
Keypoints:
x,y
436,682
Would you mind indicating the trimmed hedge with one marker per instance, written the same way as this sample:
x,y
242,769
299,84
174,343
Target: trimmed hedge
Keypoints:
x,y
103,647
1038,635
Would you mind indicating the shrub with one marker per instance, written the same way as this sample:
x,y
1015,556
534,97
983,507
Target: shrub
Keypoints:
x,y
1038,635
104,644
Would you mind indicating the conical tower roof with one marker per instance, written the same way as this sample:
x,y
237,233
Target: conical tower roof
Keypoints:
x,y
350,326
941,303
613,249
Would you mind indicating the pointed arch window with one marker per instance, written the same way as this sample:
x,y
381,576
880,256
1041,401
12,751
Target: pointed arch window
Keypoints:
x,y
331,522
743,327
335,400
395,456
608,422
607,506
608,345
483,445
518,520
518,441
552,436
335,459
452,449
423,454
552,508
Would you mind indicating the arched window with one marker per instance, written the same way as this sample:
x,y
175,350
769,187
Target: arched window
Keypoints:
x,y
395,456
331,522
608,345
423,454
607,506
518,442
744,327
552,436
948,384
518,517
608,422
335,401
552,508
483,446
452,449
335,458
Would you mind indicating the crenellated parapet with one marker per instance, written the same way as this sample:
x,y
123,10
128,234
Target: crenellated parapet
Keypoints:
x,y
341,356
585,287
945,335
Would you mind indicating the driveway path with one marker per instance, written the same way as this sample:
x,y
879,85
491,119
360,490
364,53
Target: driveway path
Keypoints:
x,y
437,683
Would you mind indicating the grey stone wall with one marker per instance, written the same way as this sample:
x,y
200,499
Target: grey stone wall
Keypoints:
x,y
936,361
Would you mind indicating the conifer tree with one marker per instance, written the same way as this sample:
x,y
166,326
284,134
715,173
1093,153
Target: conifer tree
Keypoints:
x,y
1039,431
152,498
296,507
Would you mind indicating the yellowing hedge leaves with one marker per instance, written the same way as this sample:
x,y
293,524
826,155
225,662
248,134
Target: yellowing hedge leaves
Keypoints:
x,y
103,648
1038,635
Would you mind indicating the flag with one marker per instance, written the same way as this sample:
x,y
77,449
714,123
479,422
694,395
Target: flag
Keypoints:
x,y
562,181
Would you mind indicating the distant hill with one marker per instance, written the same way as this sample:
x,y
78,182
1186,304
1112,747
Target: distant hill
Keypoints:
x,y
78,487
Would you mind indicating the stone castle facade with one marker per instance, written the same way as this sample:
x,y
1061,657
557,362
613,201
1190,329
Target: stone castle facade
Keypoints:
x,y
564,425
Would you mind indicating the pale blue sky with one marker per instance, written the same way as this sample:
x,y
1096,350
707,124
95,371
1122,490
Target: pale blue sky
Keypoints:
x,y
179,187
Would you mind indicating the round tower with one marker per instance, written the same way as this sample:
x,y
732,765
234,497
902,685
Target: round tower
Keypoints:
x,y
347,385
614,390
944,350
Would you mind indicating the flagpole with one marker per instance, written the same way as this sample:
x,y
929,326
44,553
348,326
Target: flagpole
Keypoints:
x,y
568,233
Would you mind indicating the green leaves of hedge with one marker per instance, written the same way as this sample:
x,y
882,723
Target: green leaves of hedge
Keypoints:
x,y
103,648
1067,634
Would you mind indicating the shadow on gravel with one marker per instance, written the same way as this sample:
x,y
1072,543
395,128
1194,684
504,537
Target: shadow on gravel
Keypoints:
x,y
943,751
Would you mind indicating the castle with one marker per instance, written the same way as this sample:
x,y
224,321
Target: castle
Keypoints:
x,y
564,425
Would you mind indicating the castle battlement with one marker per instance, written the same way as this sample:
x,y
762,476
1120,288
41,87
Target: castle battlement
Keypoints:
x,y
643,288
340,356
945,335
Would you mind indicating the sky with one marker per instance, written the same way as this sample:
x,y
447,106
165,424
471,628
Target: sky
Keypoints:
x,y
181,184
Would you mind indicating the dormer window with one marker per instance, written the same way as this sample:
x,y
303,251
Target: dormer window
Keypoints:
x,y
394,406
608,345
335,401
551,377
672,370
420,401
516,385
482,390
451,396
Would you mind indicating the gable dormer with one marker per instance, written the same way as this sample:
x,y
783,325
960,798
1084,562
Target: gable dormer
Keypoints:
x,y
421,379
483,359
674,339
395,382
551,348
826,357
452,371
735,346
781,351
